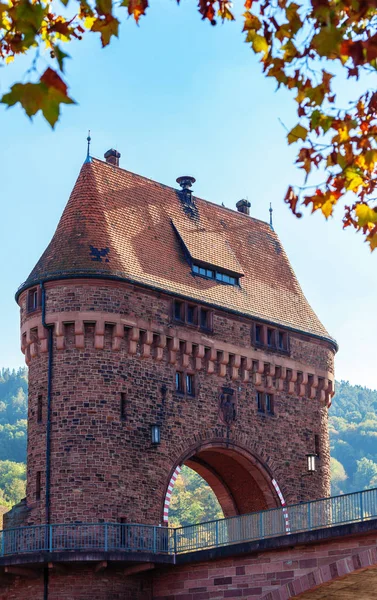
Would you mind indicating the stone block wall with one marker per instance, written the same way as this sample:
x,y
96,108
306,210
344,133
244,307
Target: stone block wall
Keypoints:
x,y
110,339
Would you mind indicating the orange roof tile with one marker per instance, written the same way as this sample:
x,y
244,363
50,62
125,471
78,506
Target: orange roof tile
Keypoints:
x,y
119,224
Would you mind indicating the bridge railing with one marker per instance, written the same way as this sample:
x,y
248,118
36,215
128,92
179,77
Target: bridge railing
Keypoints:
x,y
317,514
129,537
88,536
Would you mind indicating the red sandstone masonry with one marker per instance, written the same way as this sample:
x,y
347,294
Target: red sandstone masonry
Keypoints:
x,y
277,575
105,468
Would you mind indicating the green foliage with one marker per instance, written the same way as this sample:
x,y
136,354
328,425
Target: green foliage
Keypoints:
x,y
13,435
12,482
192,501
353,438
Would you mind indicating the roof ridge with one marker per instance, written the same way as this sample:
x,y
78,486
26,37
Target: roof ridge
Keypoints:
x,y
236,213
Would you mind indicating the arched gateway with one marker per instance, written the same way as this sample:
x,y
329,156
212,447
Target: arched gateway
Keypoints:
x,y
159,330
240,480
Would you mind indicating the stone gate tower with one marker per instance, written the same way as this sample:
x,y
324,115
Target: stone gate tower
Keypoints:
x,y
160,330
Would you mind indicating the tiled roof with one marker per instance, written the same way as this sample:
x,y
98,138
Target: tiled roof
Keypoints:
x,y
119,224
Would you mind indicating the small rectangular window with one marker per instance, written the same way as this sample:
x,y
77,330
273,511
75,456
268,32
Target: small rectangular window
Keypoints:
x,y
269,404
204,316
202,271
258,334
209,273
178,310
270,337
191,314
39,408
219,276
260,403
179,382
32,299
195,269
281,340
38,485
123,406
190,389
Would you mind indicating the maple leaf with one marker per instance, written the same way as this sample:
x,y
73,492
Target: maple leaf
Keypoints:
x,y
291,199
47,95
365,215
107,26
297,133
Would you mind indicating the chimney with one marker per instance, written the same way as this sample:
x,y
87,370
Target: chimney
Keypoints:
x,y
243,206
112,157
186,181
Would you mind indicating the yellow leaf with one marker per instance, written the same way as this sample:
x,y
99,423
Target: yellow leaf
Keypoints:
x,y
365,215
327,208
371,159
258,42
354,180
9,59
297,133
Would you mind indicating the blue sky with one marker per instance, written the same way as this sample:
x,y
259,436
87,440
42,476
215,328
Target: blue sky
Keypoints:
x,y
178,96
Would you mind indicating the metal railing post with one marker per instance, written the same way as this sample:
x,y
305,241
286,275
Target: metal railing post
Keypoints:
x,y
154,540
2,543
309,515
217,534
361,506
50,538
106,537
175,541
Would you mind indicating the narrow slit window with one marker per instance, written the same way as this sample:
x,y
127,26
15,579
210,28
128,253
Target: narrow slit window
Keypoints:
x,y
258,334
282,340
260,404
204,318
179,382
316,445
191,314
270,337
123,406
39,408
32,299
178,310
269,404
190,388
38,485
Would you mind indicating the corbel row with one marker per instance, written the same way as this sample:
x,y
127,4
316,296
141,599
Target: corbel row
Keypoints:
x,y
185,354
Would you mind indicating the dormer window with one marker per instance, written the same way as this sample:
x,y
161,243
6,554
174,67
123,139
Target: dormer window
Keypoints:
x,y
215,274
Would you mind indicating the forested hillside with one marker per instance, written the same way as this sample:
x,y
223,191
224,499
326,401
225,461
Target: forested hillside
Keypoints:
x,y
13,434
353,439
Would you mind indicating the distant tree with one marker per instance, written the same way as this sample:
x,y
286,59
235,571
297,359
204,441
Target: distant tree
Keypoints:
x,y
192,501
12,481
366,474
297,45
338,477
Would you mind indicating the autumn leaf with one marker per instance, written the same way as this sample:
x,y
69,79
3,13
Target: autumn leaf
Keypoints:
x,y
365,215
258,42
107,26
297,133
47,95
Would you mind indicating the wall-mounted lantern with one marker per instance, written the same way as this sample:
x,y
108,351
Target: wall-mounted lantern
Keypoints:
x,y
311,461
156,434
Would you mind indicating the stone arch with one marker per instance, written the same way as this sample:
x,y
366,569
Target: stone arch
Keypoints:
x,y
242,481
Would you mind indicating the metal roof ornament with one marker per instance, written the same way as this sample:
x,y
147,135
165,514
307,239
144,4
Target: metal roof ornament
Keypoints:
x,y
88,157
271,211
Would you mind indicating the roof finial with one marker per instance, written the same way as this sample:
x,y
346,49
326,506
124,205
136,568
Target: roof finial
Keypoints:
x,y
88,157
271,211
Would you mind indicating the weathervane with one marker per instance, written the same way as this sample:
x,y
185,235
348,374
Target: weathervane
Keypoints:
x,y
271,211
88,139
